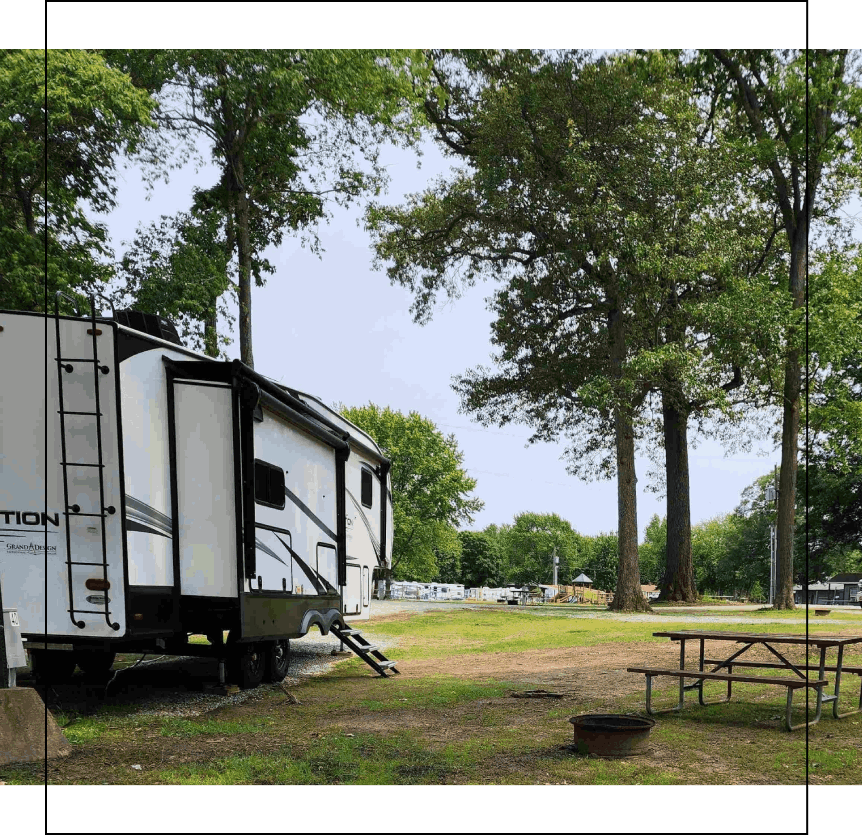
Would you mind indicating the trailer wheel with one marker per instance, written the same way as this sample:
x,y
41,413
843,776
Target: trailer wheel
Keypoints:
x,y
249,665
277,661
95,663
52,666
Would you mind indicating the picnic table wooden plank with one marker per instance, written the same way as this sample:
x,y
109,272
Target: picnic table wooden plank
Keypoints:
x,y
748,637
778,680
771,664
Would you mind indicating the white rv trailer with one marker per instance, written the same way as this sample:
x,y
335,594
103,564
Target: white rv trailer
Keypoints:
x,y
148,492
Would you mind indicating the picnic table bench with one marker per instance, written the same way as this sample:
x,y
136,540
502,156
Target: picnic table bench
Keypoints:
x,y
802,680
792,684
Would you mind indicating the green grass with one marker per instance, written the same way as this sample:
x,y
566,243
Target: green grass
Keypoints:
x,y
352,728
468,632
200,727
363,759
437,691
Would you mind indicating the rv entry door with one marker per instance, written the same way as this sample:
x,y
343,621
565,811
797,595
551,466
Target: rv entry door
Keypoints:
x,y
205,488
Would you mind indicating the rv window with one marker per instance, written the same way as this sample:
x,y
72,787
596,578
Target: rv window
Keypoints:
x,y
268,484
367,492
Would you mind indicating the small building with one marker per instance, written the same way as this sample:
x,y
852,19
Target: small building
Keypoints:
x,y
842,589
650,592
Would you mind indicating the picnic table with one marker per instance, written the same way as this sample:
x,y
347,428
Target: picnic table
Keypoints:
x,y
800,679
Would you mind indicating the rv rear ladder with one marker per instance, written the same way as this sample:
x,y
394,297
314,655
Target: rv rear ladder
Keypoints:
x,y
369,653
65,364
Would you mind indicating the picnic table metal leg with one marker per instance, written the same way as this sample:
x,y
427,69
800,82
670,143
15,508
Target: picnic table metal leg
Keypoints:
x,y
818,712
682,667
649,709
839,664
819,708
703,681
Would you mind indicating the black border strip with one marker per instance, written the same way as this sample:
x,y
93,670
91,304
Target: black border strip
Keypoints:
x,y
172,468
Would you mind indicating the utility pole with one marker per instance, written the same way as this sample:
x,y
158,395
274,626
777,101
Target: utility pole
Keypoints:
x,y
556,565
772,496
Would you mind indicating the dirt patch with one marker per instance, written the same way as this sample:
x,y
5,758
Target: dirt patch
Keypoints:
x,y
590,673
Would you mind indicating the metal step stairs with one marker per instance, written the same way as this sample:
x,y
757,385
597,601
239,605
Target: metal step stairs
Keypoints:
x,y
369,653
64,364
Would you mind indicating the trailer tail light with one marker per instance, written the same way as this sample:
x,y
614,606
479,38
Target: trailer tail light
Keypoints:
x,y
97,585
138,616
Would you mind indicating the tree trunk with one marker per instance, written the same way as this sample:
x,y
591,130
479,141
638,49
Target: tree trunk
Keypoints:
x,y
790,434
244,258
211,333
678,581
627,595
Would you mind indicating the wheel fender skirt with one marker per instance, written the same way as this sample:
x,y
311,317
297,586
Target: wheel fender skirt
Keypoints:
x,y
323,620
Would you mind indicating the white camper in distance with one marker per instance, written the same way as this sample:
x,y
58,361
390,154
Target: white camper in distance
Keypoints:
x,y
177,494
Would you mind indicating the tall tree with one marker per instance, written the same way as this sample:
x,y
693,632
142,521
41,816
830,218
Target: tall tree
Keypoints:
x,y
290,131
587,197
430,489
796,116
93,113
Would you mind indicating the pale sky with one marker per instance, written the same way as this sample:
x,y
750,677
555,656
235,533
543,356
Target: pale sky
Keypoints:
x,y
336,328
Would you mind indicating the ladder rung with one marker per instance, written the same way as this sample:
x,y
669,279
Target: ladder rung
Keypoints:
x,y
367,647
88,611
385,664
76,359
92,414
348,632
103,515
100,564
73,464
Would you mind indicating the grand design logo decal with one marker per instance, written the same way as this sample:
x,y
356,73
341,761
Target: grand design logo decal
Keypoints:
x,y
35,520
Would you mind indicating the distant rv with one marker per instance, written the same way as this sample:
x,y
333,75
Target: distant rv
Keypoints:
x,y
406,590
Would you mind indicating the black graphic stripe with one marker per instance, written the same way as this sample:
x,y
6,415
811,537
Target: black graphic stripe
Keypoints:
x,y
132,525
267,550
375,544
310,514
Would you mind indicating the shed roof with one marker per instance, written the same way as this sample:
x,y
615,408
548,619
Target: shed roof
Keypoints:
x,y
582,578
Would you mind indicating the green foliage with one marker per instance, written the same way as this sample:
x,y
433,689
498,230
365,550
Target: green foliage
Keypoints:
x,y
530,544
449,559
179,268
480,560
652,552
601,556
290,131
430,489
834,404
94,113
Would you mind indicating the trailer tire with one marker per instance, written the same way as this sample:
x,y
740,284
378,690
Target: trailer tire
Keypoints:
x,y
277,661
52,666
249,665
96,663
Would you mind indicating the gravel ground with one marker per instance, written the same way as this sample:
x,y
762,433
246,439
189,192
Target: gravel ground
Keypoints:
x,y
309,656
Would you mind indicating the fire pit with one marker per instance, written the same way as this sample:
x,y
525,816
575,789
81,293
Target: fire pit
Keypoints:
x,y
611,735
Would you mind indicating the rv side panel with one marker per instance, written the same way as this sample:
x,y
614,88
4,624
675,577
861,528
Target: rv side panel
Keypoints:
x,y
296,522
35,505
